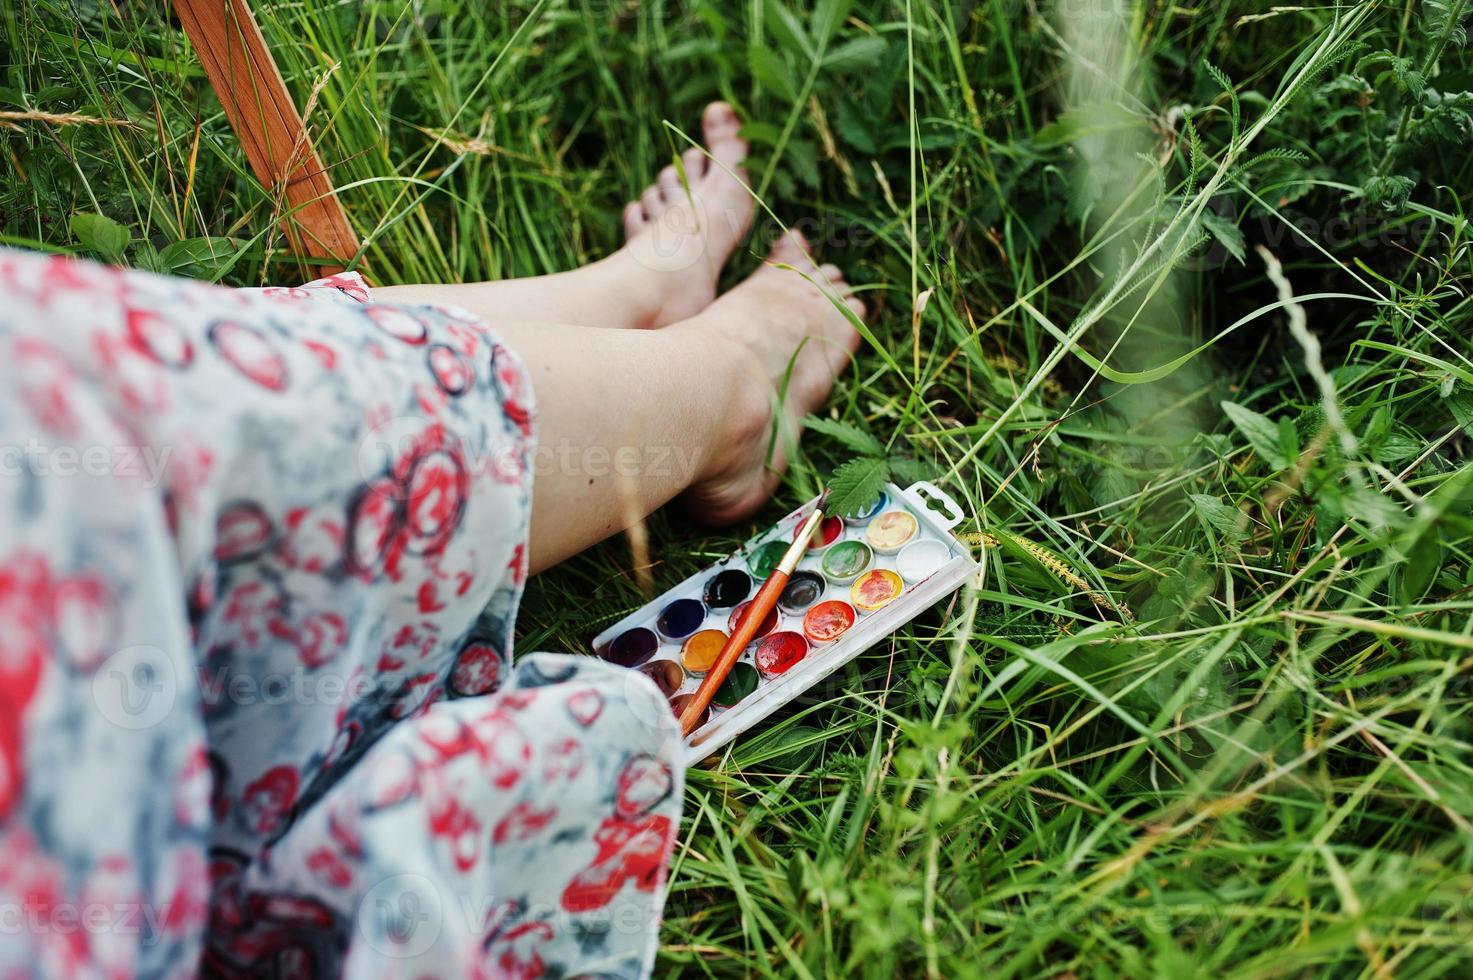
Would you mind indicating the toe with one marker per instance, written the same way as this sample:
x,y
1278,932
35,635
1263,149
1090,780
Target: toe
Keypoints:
x,y
720,126
634,221
653,205
723,188
833,277
694,162
803,259
719,122
791,248
669,184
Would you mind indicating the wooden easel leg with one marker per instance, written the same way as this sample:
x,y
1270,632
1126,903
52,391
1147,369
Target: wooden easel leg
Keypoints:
x,y
255,98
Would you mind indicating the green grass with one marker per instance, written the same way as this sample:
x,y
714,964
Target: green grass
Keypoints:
x,y
1268,771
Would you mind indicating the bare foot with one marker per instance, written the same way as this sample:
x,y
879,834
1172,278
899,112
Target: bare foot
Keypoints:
x,y
762,323
681,234
677,242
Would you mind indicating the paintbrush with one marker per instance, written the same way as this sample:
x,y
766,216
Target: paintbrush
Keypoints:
x,y
746,630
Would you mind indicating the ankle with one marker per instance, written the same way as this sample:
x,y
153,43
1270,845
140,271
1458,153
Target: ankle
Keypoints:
x,y
735,386
671,278
622,284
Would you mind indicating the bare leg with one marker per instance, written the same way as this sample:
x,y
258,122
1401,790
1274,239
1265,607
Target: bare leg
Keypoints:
x,y
667,270
640,417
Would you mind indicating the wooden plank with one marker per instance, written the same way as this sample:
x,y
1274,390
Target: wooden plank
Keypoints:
x,y
256,101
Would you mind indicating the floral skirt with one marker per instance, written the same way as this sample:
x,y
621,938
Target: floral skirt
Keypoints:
x,y
260,558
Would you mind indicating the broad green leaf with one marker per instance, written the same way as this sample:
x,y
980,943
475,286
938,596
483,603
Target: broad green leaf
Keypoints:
x,y
146,257
905,471
1395,447
1086,120
1226,232
101,234
209,255
1289,439
856,484
855,128
1460,405
1261,431
769,68
861,52
1423,560
1223,517
787,29
828,17
1372,508
761,132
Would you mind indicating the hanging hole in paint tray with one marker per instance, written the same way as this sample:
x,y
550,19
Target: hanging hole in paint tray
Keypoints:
x,y
936,501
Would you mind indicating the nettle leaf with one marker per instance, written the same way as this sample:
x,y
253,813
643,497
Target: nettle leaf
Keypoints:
x,y
850,436
1224,518
1261,432
1408,79
101,234
856,484
802,160
905,471
1110,485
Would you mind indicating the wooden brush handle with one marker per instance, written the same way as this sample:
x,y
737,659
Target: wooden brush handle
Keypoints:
x,y
746,631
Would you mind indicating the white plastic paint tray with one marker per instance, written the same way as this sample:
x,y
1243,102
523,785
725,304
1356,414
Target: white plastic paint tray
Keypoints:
x,y
935,513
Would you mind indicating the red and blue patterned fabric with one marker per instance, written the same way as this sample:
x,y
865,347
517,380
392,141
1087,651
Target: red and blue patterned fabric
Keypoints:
x,y
260,558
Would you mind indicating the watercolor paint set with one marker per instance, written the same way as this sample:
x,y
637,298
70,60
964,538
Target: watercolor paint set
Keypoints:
x,y
863,577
